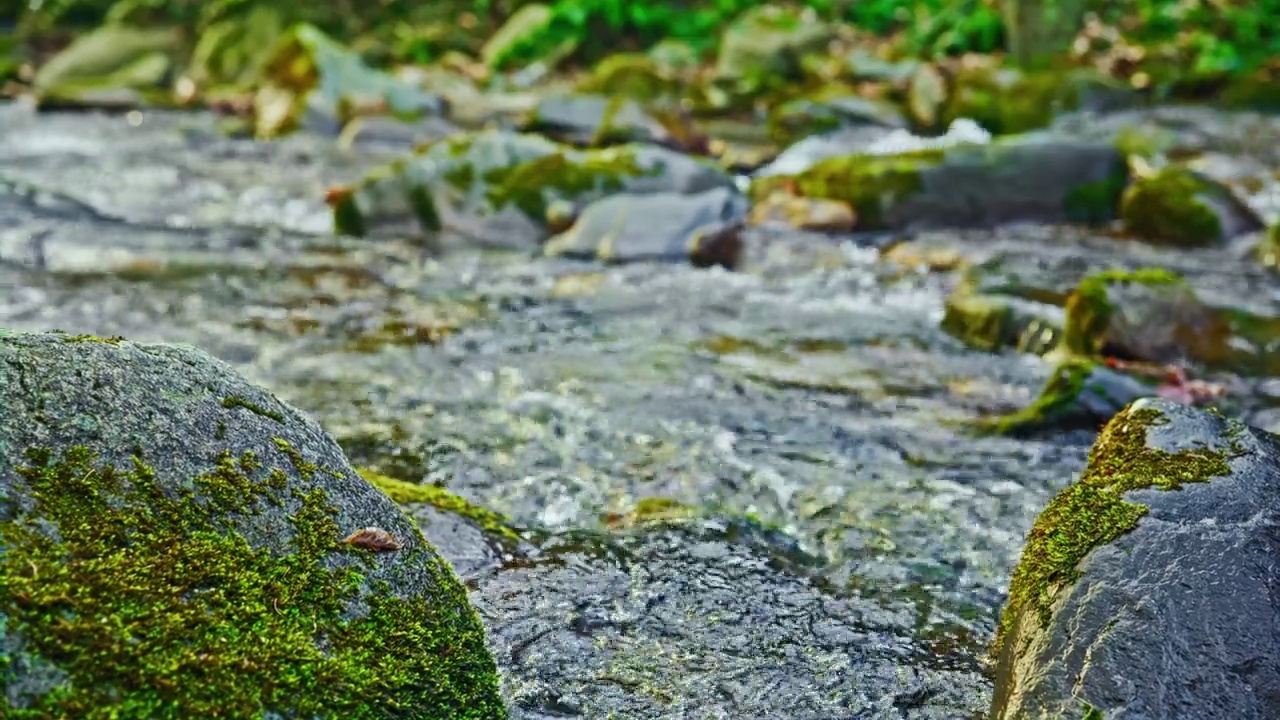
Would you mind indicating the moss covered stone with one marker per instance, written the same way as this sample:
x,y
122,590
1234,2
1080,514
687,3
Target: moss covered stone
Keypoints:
x,y
1078,395
1170,207
1093,511
870,184
493,523
167,554
1090,308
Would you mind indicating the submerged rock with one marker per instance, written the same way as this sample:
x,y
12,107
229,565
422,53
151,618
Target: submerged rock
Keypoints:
x,y
1132,600
1038,178
174,537
704,229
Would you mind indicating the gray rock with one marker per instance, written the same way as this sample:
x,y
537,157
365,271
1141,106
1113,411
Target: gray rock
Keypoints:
x,y
704,228
173,536
1178,617
586,120
495,187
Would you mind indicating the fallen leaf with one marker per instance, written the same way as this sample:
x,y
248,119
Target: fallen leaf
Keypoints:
x,y
373,538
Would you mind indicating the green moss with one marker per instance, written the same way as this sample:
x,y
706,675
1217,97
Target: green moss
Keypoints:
x,y
1006,101
1267,250
94,338
871,184
1057,401
239,402
491,522
424,208
525,185
979,321
1093,512
1089,308
1097,201
347,218
150,602
1167,208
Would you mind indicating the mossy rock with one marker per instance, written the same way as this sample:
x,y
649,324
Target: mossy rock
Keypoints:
x,y
1148,314
179,543
1000,322
1176,206
308,72
230,55
1028,178
1080,394
113,65
635,76
828,110
505,186
763,47
1267,251
1144,583
1006,101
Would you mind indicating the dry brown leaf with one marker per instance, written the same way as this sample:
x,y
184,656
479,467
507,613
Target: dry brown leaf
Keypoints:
x,y
373,538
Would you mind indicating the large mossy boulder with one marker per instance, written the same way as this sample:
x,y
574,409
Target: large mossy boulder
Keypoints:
x,y
1040,178
178,543
1147,587
502,187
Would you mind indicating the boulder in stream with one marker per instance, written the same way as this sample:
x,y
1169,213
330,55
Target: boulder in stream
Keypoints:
x,y
1147,588
175,541
1032,178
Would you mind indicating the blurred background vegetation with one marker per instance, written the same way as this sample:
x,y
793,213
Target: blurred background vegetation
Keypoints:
x,y
1203,36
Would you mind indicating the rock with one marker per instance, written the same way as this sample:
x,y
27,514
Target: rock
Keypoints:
x,y
803,213
1079,395
926,94
1134,601
995,322
230,55
594,121
868,140
517,35
1177,206
310,73
762,48
797,119
1008,101
704,228
635,76
1267,251
1150,315
115,65
1154,315
1036,178
173,537
497,186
